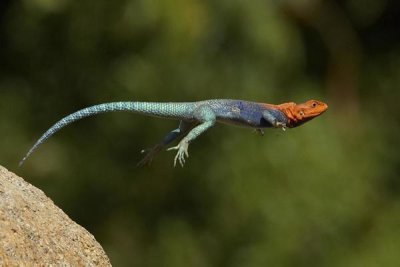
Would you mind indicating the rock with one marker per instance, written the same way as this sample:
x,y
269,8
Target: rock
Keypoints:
x,y
34,231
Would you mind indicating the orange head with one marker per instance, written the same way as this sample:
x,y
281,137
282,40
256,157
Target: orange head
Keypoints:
x,y
298,114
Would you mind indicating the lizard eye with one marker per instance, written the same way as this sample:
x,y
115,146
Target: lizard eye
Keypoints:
x,y
314,104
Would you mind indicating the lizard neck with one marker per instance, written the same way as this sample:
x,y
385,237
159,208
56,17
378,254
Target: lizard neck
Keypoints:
x,y
288,110
292,117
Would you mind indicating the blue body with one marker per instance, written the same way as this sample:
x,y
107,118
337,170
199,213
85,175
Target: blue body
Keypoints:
x,y
195,117
243,113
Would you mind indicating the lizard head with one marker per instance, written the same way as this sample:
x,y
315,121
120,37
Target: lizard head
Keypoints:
x,y
298,114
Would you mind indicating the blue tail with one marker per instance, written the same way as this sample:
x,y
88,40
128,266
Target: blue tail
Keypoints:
x,y
86,112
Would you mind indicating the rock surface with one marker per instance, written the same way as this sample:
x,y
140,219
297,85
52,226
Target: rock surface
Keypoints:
x,y
35,232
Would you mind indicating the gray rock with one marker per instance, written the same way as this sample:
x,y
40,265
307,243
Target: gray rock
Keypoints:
x,y
34,231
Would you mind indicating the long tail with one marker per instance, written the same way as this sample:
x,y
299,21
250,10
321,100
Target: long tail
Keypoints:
x,y
165,110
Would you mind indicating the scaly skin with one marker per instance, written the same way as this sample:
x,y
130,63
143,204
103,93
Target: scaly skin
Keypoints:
x,y
197,117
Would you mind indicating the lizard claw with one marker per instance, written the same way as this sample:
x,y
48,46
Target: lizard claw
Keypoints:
x,y
259,131
280,125
182,148
150,155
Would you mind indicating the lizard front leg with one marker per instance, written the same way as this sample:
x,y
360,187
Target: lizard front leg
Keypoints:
x,y
274,120
206,117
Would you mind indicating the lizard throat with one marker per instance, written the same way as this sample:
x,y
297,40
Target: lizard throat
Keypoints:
x,y
293,119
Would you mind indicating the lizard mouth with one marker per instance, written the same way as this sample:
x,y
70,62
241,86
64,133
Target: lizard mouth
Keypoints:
x,y
317,111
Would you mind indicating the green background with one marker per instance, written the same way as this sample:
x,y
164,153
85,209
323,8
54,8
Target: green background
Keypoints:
x,y
324,194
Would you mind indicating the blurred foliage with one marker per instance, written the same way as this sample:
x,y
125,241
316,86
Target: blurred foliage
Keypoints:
x,y
325,194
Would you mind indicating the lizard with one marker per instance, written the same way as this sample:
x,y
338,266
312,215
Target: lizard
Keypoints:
x,y
197,117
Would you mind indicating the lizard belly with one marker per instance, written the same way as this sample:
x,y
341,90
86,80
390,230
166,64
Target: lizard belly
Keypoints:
x,y
249,122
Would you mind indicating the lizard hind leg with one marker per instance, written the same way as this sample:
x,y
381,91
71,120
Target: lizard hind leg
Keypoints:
x,y
206,118
152,152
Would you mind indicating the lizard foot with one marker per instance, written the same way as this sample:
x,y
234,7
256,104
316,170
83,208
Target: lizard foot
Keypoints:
x,y
182,148
259,131
280,125
150,155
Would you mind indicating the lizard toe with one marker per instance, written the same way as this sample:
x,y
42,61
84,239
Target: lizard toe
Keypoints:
x,y
182,148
